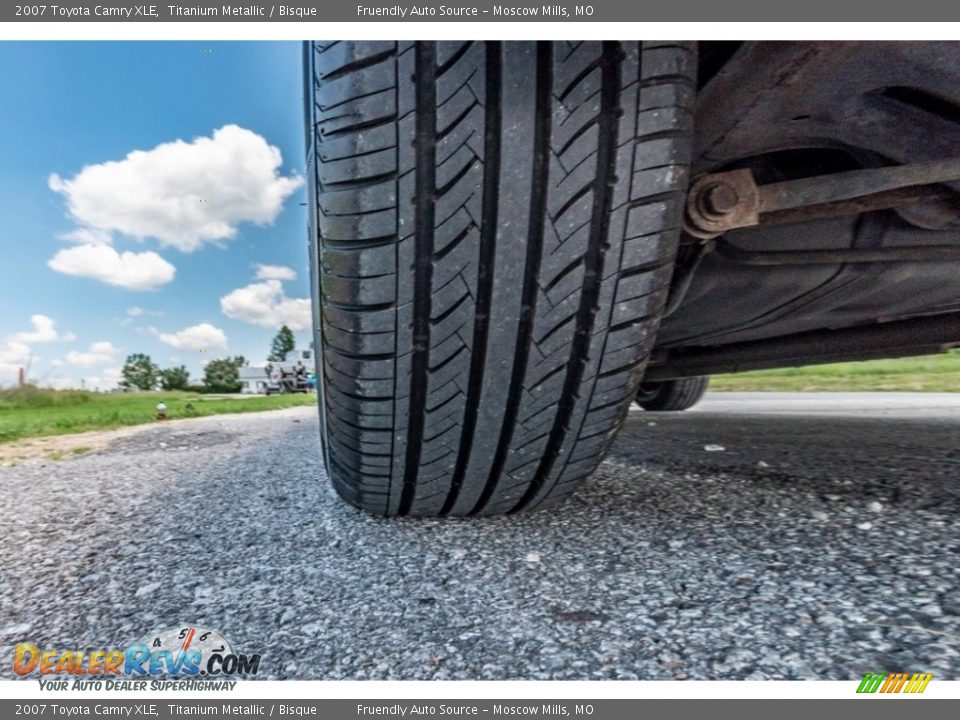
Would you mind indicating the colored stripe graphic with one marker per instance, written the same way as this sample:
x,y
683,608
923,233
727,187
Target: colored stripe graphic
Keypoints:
x,y
918,683
871,682
894,682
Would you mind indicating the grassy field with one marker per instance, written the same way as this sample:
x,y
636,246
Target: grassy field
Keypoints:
x,y
931,373
33,412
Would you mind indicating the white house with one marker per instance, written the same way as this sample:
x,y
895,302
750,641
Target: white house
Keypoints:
x,y
254,380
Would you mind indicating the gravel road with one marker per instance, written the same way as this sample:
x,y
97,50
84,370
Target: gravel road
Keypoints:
x,y
761,536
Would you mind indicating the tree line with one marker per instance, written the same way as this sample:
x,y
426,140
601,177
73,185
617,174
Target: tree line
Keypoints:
x,y
221,375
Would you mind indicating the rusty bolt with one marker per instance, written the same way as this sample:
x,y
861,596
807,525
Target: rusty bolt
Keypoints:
x,y
720,198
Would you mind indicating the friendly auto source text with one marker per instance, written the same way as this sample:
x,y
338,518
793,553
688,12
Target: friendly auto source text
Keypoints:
x,y
402,11
536,710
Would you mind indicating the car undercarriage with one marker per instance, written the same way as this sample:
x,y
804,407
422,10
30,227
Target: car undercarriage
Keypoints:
x,y
856,269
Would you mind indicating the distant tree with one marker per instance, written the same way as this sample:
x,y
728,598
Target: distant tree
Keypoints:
x,y
283,343
222,375
175,378
139,373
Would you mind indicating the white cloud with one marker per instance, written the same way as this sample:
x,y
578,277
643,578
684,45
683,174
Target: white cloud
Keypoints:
x,y
136,311
197,337
60,383
100,353
264,303
107,379
184,194
130,270
8,373
13,356
275,272
15,351
88,236
44,330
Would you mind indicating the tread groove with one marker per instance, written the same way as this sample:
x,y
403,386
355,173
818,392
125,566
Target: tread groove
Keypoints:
x,y
358,64
593,266
365,125
534,254
485,266
580,76
452,60
456,178
425,205
357,183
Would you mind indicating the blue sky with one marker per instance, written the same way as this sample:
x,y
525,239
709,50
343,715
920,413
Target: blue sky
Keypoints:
x,y
106,253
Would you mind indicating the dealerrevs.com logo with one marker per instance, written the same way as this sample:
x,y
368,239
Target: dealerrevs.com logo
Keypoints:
x,y
185,651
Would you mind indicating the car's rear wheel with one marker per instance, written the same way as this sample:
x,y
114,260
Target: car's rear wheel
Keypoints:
x,y
672,395
494,231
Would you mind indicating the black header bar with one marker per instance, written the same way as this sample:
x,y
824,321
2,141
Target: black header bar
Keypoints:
x,y
738,11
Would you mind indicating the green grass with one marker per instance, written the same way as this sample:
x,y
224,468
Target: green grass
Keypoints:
x,y
33,412
929,373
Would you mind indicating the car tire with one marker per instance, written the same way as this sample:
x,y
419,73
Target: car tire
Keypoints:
x,y
493,232
672,395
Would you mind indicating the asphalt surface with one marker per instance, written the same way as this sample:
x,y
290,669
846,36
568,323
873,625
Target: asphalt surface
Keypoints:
x,y
759,536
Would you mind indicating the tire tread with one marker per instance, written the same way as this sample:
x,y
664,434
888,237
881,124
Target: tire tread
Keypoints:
x,y
493,249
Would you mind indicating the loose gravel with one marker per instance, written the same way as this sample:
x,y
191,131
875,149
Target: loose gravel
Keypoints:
x,y
807,547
